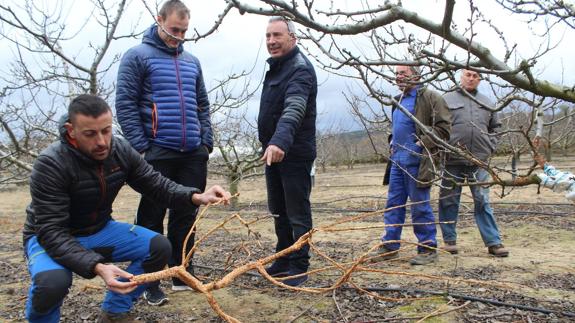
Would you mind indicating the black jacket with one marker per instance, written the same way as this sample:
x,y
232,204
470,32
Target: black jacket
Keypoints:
x,y
288,106
72,195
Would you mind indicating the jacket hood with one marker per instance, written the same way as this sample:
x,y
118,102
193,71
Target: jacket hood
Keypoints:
x,y
61,129
152,38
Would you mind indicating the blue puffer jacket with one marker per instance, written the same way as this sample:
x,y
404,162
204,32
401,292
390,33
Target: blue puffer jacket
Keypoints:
x,y
161,97
288,106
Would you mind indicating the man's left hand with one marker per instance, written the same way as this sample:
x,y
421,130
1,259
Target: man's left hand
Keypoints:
x,y
110,273
273,154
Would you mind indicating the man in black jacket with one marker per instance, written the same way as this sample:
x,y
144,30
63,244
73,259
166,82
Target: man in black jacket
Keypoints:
x,y
286,129
69,227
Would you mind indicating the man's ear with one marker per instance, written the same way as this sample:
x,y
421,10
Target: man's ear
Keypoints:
x,y
70,129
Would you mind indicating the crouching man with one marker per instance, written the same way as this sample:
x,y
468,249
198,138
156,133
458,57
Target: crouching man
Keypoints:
x,y
69,227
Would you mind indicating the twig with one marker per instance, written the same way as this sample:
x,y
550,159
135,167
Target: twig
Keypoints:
x,y
337,306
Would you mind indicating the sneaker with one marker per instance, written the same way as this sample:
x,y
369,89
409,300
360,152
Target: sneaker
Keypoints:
x,y
498,251
382,253
126,317
296,281
180,286
155,296
278,270
423,258
451,247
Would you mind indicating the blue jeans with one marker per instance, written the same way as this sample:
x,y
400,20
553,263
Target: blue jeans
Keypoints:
x,y
402,186
289,189
450,198
117,242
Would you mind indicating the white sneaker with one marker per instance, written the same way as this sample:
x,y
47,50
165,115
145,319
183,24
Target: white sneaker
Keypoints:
x,y
181,288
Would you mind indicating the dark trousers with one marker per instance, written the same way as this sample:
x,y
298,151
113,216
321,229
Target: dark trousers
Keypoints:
x,y
289,189
190,171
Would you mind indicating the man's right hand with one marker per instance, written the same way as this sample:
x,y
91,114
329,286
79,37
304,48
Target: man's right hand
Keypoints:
x,y
214,194
110,273
273,154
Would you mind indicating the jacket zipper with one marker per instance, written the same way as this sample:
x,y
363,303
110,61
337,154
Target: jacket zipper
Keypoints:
x,y
154,120
103,189
182,107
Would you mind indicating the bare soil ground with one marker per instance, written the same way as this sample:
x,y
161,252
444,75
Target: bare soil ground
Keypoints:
x,y
539,230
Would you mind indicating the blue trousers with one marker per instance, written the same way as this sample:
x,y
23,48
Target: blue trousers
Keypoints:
x,y
118,242
289,189
402,186
450,200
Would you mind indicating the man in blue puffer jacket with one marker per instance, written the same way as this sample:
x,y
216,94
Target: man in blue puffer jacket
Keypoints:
x,y
163,109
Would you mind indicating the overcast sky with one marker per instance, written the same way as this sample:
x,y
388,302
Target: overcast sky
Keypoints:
x,y
239,43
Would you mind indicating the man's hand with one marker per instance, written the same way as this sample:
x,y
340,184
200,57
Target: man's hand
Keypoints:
x,y
110,273
273,154
214,194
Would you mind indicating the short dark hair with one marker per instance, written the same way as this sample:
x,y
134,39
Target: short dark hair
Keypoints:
x,y
171,6
88,105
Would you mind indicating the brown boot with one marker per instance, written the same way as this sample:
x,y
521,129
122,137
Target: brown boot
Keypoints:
x,y
451,247
106,317
498,251
382,253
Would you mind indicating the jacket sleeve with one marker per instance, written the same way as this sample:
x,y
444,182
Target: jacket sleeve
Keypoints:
x,y
299,87
51,203
204,110
130,80
441,119
494,125
145,180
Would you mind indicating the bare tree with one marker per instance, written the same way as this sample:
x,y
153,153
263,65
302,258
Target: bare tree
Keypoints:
x,y
49,69
365,43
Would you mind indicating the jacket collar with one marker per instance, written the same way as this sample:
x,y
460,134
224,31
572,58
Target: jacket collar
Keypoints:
x,y
280,60
419,90
152,38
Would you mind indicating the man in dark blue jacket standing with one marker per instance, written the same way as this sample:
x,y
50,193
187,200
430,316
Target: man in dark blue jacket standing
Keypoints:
x,y
286,129
163,109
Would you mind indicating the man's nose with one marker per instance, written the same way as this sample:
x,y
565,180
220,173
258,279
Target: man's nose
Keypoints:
x,y
100,140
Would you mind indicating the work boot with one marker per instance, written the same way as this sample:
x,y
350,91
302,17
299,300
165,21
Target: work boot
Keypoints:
x,y
423,258
383,253
451,247
278,269
498,251
106,317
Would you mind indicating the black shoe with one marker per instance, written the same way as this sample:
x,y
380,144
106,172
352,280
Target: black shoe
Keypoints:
x,y
278,269
296,281
155,296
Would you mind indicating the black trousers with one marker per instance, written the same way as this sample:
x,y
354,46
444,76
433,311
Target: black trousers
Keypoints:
x,y
190,171
289,189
